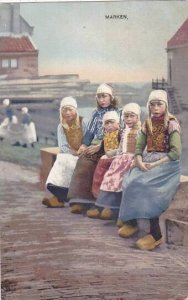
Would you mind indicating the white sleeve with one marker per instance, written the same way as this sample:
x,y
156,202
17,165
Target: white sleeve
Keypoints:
x,y
62,141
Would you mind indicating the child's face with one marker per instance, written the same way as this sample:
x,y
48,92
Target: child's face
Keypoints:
x,y
104,100
68,113
157,108
111,125
130,119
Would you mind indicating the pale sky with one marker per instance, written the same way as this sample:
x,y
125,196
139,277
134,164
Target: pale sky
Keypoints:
x,y
75,37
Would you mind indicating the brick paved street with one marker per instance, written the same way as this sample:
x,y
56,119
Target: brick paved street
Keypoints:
x,y
50,254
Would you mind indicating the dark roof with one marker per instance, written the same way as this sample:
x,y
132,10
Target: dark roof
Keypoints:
x,y
180,38
16,44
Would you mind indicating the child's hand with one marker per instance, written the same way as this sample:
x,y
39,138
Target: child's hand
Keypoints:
x,y
104,156
157,163
111,153
81,149
150,166
92,149
133,165
73,152
140,164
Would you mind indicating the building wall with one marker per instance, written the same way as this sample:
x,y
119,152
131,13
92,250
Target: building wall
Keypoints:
x,y
27,65
178,71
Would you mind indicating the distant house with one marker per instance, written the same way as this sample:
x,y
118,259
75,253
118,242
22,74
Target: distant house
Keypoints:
x,y
18,57
18,54
177,56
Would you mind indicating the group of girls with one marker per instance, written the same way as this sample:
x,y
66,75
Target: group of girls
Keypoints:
x,y
116,168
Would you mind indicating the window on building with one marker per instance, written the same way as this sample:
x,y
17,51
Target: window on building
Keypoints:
x,y
5,63
13,63
9,63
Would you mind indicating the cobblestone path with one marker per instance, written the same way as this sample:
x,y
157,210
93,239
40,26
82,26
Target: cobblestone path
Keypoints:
x,y
50,254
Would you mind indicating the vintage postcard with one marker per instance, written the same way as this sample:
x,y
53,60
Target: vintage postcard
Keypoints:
x,y
64,206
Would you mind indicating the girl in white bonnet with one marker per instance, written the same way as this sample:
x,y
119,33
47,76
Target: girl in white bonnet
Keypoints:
x,y
110,143
151,185
90,152
70,133
109,197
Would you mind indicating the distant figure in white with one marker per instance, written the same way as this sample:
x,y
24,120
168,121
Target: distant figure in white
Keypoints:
x,y
29,131
9,127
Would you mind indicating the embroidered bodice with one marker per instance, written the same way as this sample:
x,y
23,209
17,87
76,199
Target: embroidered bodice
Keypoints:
x,y
74,135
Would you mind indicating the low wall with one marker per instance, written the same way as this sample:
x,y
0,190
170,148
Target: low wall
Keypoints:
x,y
175,220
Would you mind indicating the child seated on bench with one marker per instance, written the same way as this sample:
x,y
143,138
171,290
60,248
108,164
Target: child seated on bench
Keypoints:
x,y
70,133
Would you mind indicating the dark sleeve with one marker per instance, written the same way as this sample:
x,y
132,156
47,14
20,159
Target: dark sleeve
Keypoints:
x,y
102,146
88,137
90,131
9,112
26,119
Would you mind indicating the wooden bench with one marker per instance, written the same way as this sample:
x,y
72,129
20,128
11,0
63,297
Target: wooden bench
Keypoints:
x,y
175,218
174,222
48,157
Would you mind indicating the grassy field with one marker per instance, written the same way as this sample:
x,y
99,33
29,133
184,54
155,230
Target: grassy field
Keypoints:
x,y
20,155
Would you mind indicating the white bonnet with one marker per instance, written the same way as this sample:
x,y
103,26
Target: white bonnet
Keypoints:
x,y
6,102
68,101
110,115
24,109
133,108
159,95
104,88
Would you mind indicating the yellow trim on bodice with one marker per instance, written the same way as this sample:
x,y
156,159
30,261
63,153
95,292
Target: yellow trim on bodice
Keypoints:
x,y
111,140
